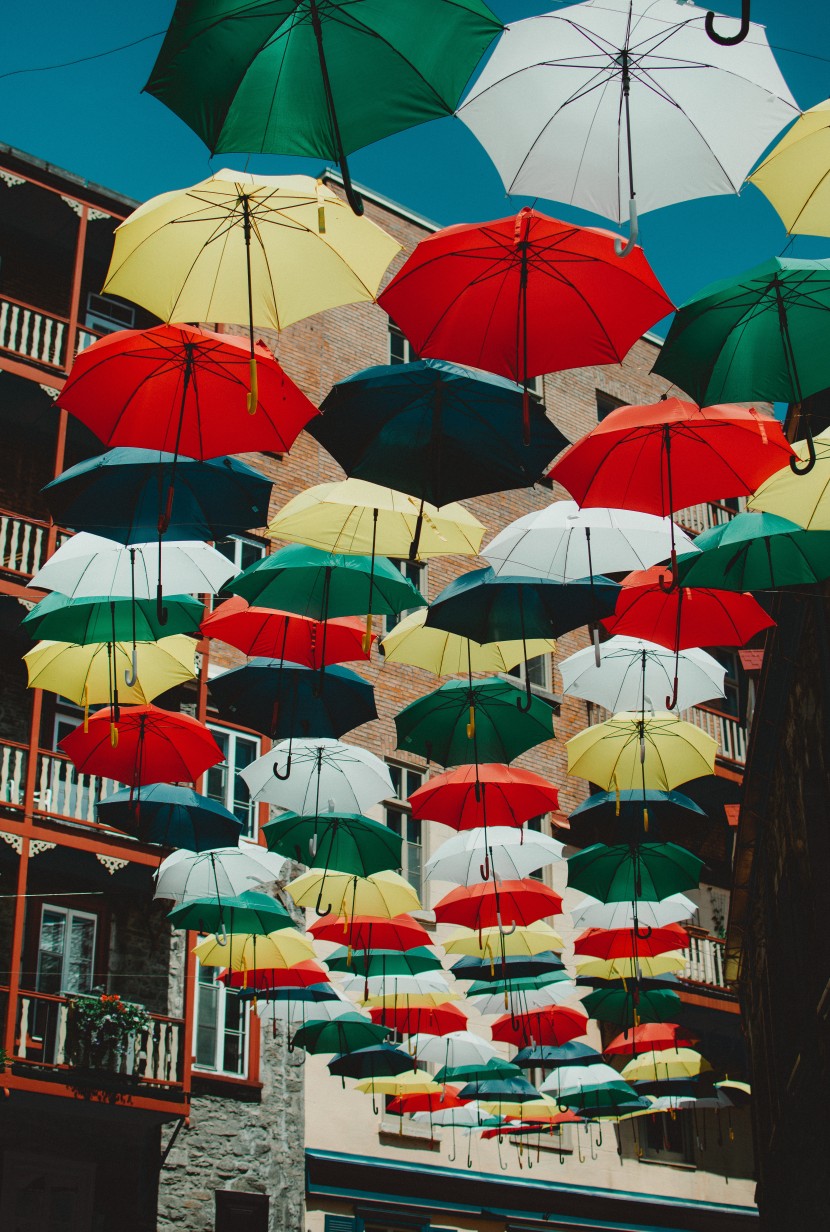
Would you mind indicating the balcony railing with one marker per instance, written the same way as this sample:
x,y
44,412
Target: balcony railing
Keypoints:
x,y
705,961
698,518
23,543
32,334
730,733
45,1040
61,791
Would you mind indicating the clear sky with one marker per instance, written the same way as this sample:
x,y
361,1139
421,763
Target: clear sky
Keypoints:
x,y
93,120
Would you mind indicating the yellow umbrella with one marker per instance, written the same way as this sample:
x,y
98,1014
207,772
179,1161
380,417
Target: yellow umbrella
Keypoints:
x,y
411,1000
533,939
385,894
804,499
410,1082
447,654
665,1064
626,968
95,672
795,175
248,951
631,751
248,250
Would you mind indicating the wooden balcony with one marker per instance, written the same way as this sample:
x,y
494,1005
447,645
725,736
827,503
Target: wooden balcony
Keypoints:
x,y
705,959
61,791
732,735
698,518
23,544
29,333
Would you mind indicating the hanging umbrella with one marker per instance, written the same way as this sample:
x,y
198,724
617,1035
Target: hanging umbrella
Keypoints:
x,y
515,1090
758,551
247,250
372,932
481,1071
435,430
296,1007
290,79
61,619
638,807
143,745
517,966
90,674
670,962
620,84
470,1115
384,894
245,951
554,1026
428,988
448,654
301,975
510,853
495,943
794,175
319,775
501,795
348,1033
596,913
437,1101
175,388
224,872
633,671
807,503
665,1064
642,870
421,1020
249,912
416,1081
652,750
547,1057
346,842
277,698
453,1050
627,1006
523,997
266,633
511,902
376,1061
172,817
522,296
384,962
627,942
462,723
651,1037
755,336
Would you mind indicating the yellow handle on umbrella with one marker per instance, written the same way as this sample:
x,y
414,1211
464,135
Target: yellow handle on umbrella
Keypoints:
x,y
321,220
471,726
253,396
367,636
86,708
113,736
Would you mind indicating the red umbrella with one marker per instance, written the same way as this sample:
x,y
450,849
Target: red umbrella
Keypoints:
x,y
301,975
145,745
270,634
508,902
527,1125
183,390
421,1020
434,1101
505,796
524,295
371,932
551,1027
607,943
650,1037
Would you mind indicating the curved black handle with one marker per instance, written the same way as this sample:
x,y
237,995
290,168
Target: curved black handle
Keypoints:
x,y
671,702
642,934
730,40
328,910
161,610
283,777
796,467
525,704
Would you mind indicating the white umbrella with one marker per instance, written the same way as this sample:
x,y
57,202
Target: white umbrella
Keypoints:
x,y
513,853
397,985
469,1115
454,1049
591,913
319,776
88,565
297,1012
570,1079
600,101
225,872
633,673
566,542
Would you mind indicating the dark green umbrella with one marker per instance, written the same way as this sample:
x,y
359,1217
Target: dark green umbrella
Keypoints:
x,y
58,618
757,551
485,988
345,842
493,1070
517,966
479,721
170,815
247,913
383,962
504,1089
545,1056
629,808
758,336
376,1061
348,1033
620,1004
649,871
281,699
317,78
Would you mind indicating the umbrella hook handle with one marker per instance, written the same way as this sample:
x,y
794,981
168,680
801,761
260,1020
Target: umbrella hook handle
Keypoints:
x,y
795,467
525,703
671,701
730,40
508,932
318,904
283,777
484,868
131,677
643,934
623,248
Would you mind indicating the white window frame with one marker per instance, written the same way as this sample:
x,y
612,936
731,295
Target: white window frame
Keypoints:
x,y
106,315
400,804
518,673
69,914
228,765
421,583
409,354
223,994
239,542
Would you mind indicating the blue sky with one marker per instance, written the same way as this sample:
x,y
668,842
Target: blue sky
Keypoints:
x,y
93,120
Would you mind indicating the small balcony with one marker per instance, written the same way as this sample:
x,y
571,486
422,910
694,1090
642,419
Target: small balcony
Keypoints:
x,y
60,790
705,959
23,544
732,735
28,333
698,518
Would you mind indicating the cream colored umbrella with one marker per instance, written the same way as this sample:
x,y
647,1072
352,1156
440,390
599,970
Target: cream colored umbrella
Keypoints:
x,y
633,750
385,894
95,673
447,654
248,951
491,942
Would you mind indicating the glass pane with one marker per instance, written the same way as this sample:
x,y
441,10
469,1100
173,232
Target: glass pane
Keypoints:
x,y
413,830
250,553
397,347
207,999
395,820
50,952
216,779
412,866
81,957
245,752
396,775
228,547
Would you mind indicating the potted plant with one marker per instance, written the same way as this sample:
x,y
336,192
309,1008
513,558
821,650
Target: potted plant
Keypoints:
x,y
101,1028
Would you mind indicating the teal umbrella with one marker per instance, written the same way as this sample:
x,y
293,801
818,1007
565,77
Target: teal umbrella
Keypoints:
x,y
490,1071
384,962
246,913
649,871
376,1061
345,842
757,551
620,1004
348,1033
173,816
57,618
473,721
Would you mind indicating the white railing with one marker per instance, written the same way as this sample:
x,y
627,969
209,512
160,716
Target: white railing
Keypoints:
x,y
731,735
705,960
698,518
13,761
62,791
32,334
23,543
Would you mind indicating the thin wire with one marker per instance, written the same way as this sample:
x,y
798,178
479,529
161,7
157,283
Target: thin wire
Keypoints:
x,y
99,55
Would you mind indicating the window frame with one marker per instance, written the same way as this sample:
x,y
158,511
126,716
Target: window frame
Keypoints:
x,y
400,805
223,995
68,914
250,829
240,542
421,568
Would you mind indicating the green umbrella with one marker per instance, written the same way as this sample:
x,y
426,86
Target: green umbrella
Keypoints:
x,y
345,842
376,1061
348,1033
649,871
314,78
760,335
495,1069
383,962
478,721
486,988
57,618
617,1005
757,551
247,913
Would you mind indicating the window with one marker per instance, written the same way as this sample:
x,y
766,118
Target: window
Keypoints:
x,y
106,315
223,781
606,403
733,703
538,669
397,816
66,951
668,1138
401,350
242,550
537,824
220,1027
415,571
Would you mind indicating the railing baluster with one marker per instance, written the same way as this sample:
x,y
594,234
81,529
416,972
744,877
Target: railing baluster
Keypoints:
x,y
60,1035
24,1027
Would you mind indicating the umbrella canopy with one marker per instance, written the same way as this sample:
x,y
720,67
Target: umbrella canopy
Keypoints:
x,y
495,945
262,632
481,1071
96,672
384,894
453,1050
176,388
470,1115
640,968
794,175
421,1020
348,1033
387,989
277,698
513,854
553,1026
633,671
547,1057
346,842
627,942
511,902
171,816
500,795
758,551
384,962
607,95
143,745
376,1061
448,654
655,750
517,966
642,870
630,806
132,494
649,1037
301,975
521,999
807,501
462,723
514,1090
416,1081
225,872
523,295
435,430
665,1064
372,932
319,775
354,516
58,618
565,542
443,1101
626,1007
245,951
595,913
249,912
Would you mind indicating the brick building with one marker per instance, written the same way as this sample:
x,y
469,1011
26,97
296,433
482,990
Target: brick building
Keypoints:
x,y
207,1130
